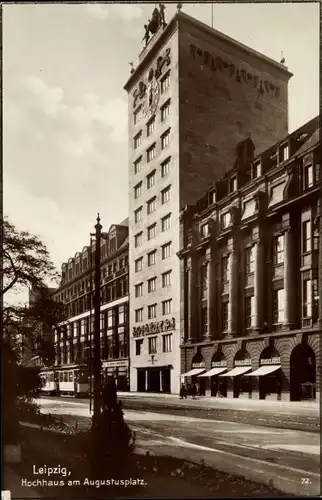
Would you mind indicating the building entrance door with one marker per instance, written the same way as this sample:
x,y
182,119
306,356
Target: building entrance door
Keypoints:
x,y
153,380
166,386
141,380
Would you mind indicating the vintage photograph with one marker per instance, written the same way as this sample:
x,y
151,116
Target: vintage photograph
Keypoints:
x,y
161,250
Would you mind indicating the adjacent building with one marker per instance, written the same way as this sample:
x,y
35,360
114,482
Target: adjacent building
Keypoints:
x,y
74,337
193,95
250,250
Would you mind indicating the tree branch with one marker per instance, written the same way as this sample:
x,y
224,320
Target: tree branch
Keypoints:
x,y
15,279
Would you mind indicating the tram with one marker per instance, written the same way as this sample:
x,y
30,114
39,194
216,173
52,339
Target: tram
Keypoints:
x,y
71,381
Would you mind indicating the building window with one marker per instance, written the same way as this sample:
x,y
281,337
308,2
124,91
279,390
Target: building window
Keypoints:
x,y
167,306
165,139
110,319
256,169
166,251
306,236
225,269
204,281
151,153
151,205
138,264
165,195
166,222
137,115
138,214
137,140
167,343
150,180
278,305
152,231
138,315
249,311
152,311
137,165
152,345
165,110
121,315
165,167
224,316
139,290
250,261
283,153
204,230
308,176
138,239
278,250
225,220
307,299
152,258
315,296
138,347
152,285
138,190
150,126
165,82
233,184
166,279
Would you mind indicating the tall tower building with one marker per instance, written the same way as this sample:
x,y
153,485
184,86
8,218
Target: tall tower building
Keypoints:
x,y
193,96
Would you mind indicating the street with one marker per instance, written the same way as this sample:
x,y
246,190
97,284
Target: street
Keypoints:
x,y
280,457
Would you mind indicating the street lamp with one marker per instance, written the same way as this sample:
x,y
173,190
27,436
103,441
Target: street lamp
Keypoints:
x,y
97,311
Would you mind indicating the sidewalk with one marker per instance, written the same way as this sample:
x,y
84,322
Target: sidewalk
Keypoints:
x,y
12,481
311,408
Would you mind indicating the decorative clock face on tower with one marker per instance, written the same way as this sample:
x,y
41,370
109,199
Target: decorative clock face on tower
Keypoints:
x,y
151,99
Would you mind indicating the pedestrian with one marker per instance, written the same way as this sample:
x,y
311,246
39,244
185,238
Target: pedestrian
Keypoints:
x,y
193,391
182,390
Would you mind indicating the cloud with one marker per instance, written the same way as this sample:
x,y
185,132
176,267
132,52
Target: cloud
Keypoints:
x,y
125,12
67,150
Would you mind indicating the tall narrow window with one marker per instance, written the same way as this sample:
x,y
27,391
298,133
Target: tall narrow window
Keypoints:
x,y
152,345
165,167
278,250
165,139
165,82
307,299
137,140
250,262
224,316
150,126
165,110
307,236
278,305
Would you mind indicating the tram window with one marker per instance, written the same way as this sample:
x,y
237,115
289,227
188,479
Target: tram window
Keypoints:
x,y
61,377
65,377
51,377
71,376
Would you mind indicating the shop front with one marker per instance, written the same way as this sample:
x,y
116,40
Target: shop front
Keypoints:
x,y
239,386
119,370
195,384
269,373
154,379
215,386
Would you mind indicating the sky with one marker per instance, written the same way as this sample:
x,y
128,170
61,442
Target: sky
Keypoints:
x,y
65,110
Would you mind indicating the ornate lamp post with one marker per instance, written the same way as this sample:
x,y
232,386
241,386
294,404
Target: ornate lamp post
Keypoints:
x,y
97,311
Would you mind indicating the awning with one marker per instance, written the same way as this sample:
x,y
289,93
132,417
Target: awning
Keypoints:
x,y
193,372
264,370
238,370
214,371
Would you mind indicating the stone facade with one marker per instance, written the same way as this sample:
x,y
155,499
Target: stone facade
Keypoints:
x,y
207,108
256,233
74,337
